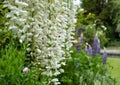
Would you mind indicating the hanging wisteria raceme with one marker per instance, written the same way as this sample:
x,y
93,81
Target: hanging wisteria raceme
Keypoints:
x,y
17,18
47,25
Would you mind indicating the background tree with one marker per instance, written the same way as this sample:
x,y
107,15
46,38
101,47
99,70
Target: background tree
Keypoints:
x,y
104,14
116,13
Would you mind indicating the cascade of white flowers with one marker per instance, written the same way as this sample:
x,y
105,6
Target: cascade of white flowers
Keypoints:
x,y
48,27
18,18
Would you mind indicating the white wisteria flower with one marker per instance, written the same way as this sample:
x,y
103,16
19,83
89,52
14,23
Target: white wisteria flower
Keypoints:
x,y
47,26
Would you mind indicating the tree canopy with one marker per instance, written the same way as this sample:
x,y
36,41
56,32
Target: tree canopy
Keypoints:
x,y
107,12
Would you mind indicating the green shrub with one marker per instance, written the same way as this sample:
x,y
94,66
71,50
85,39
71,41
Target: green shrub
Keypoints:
x,y
83,69
12,60
90,26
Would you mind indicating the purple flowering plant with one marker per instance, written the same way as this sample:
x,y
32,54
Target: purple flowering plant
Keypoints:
x,y
88,50
96,46
104,56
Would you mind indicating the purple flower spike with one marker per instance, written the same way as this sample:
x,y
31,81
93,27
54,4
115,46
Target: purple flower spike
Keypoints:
x,y
96,46
79,46
104,59
88,50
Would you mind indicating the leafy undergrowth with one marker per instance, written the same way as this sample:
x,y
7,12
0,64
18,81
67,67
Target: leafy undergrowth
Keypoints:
x,y
83,69
115,72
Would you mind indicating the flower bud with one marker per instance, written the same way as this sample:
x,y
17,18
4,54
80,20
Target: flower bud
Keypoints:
x,y
75,42
25,70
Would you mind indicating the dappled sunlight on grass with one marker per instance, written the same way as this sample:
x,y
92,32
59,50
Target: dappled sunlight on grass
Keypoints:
x,y
115,72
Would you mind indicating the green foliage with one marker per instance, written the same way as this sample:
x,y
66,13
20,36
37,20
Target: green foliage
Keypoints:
x,y
83,69
12,59
101,8
107,11
4,33
116,10
94,6
90,26
103,40
89,33
11,65
84,17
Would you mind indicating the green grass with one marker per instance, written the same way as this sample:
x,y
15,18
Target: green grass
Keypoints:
x,y
115,72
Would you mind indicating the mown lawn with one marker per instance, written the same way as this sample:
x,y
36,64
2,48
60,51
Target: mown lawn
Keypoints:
x,y
115,72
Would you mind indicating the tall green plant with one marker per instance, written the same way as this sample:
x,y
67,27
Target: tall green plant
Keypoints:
x,y
12,63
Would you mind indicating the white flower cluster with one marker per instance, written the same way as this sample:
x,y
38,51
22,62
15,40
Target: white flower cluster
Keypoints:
x,y
49,25
18,18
